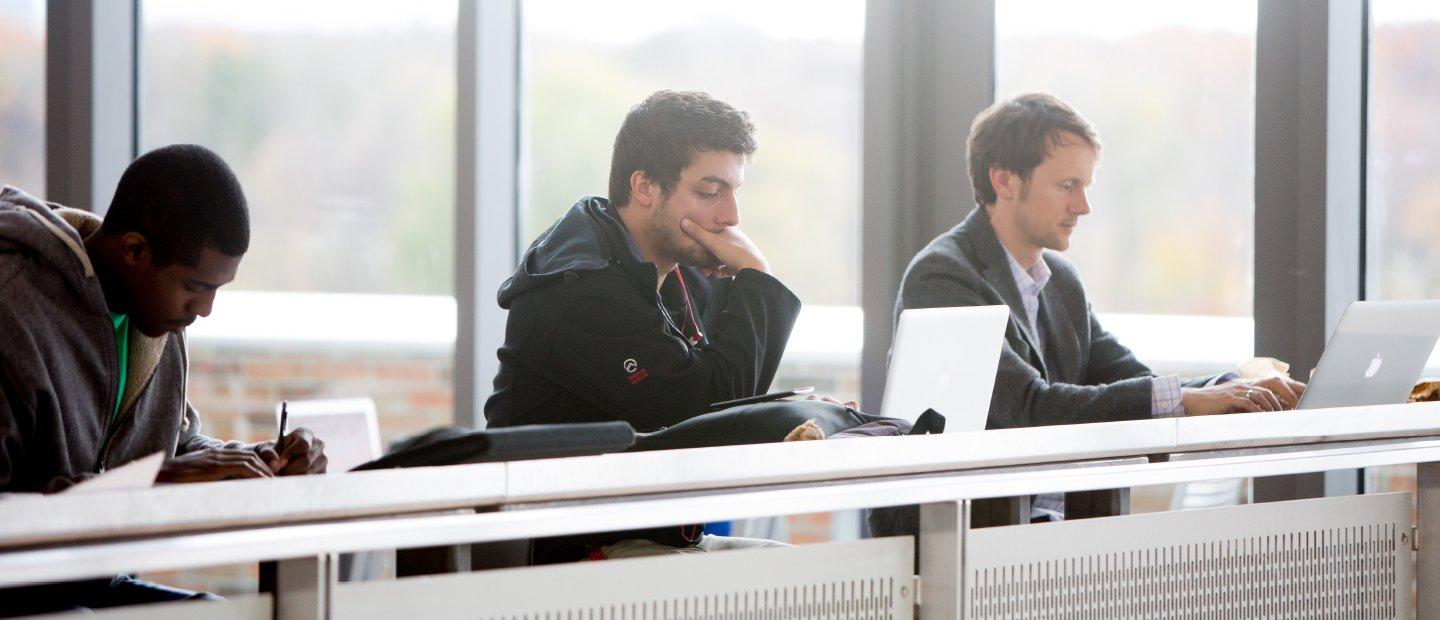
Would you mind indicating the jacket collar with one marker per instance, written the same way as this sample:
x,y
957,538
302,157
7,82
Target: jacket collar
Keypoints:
x,y
994,266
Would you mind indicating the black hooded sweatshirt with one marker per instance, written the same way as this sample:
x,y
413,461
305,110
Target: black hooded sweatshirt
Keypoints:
x,y
588,338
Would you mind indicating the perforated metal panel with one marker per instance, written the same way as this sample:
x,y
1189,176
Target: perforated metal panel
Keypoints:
x,y
1343,557
860,579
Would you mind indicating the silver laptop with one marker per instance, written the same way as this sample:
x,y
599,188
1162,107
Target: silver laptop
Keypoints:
x,y
945,359
1375,356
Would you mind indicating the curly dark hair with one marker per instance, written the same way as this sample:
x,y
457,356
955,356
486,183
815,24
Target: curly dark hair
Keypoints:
x,y
662,133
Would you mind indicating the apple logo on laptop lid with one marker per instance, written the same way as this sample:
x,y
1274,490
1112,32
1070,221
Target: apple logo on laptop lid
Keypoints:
x,y
946,377
1374,366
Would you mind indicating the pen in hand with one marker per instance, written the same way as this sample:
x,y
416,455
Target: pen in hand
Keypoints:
x,y
284,419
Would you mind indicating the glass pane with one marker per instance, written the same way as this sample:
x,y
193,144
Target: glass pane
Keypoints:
x,y
339,118
794,66
1402,208
1402,202
1170,89
1167,253
1403,186
22,95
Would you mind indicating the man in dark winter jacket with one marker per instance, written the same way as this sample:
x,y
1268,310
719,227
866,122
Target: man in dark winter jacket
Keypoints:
x,y
93,317
612,316
651,305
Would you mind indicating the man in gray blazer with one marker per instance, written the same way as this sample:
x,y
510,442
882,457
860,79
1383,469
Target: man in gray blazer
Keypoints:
x,y
1031,159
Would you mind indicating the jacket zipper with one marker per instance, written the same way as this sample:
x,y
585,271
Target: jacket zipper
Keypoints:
x,y
110,432
670,322
113,425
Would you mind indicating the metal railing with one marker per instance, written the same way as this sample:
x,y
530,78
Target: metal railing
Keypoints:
x,y
304,522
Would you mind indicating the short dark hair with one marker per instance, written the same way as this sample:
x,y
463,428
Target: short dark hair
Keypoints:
x,y
182,198
662,133
1016,134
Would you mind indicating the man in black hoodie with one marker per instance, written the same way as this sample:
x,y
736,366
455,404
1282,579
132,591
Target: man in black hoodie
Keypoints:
x,y
651,305
92,343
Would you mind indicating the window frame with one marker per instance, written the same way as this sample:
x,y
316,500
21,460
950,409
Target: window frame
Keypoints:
x,y
924,65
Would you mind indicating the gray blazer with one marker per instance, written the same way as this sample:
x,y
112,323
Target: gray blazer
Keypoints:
x,y
1085,375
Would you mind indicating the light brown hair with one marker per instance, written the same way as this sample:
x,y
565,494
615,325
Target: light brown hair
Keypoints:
x,y
1016,134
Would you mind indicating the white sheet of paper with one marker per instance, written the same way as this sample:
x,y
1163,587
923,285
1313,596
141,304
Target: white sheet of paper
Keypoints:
x,y
137,474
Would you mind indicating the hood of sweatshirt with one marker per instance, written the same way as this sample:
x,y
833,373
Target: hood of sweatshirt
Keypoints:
x,y
28,225
589,237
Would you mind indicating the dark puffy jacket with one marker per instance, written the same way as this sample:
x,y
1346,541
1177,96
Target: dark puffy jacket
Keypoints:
x,y
589,339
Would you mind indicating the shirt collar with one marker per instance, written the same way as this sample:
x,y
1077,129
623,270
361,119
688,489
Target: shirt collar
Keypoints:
x,y
1036,277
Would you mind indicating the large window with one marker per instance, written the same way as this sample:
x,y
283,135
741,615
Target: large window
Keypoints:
x,y
1170,87
1403,185
339,118
794,66
1167,252
22,95
1402,201
1402,198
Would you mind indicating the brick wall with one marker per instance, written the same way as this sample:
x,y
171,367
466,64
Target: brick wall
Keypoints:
x,y
235,389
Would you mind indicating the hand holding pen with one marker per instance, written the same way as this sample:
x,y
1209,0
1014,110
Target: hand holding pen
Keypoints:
x,y
295,453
